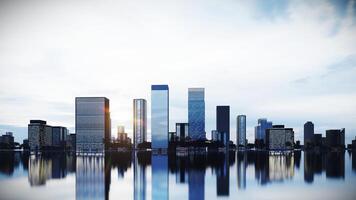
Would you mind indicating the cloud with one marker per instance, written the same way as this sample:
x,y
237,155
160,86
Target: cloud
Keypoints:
x,y
257,56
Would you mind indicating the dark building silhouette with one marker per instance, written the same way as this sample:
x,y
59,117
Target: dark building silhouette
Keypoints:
x,y
223,176
335,138
308,133
223,123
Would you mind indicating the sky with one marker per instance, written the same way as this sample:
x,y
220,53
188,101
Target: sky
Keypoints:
x,y
288,61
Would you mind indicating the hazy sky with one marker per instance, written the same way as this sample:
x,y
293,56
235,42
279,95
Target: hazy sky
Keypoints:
x,y
289,61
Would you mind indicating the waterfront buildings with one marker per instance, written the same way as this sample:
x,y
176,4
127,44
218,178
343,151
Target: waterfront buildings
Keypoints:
x,y
223,123
7,139
308,133
181,131
196,113
139,121
159,116
241,131
335,138
39,134
59,136
214,135
260,130
92,123
279,138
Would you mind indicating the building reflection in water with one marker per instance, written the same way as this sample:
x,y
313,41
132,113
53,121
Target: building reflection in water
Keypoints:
x,y
196,176
160,185
223,175
49,166
93,177
241,169
139,165
333,163
353,160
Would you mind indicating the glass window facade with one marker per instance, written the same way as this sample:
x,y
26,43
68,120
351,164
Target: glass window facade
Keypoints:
x,y
241,130
159,116
139,121
196,113
92,123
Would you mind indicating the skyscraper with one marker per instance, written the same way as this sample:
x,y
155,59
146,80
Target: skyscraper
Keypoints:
x,y
223,123
308,133
92,123
260,129
241,131
159,116
196,113
181,130
139,121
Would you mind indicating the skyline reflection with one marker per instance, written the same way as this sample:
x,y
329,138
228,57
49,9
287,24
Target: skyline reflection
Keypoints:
x,y
93,174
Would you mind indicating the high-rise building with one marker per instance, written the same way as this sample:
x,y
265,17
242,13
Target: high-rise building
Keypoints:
x,y
121,134
223,123
181,130
92,123
308,133
214,135
159,116
139,121
39,134
241,131
196,113
260,129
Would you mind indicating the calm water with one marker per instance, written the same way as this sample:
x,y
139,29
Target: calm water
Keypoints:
x,y
248,175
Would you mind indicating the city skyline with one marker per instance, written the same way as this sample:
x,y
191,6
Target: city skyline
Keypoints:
x,y
288,62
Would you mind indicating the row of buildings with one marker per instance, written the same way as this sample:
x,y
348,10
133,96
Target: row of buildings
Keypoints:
x,y
93,126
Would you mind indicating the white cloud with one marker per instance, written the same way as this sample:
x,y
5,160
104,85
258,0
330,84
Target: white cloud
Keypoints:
x,y
53,51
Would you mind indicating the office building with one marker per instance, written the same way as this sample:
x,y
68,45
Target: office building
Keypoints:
x,y
196,113
241,131
39,134
159,116
223,123
260,129
335,138
279,138
59,135
308,133
121,134
139,121
92,123
7,139
182,131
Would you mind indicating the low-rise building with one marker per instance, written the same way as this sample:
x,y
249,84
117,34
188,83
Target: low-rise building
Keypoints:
x,y
279,138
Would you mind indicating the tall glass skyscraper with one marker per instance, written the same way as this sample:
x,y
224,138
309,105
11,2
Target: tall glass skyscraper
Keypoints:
x,y
260,129
159,116
139,121
241,130
92,123
196,113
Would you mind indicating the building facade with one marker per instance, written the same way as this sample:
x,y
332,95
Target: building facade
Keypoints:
x,y
159,116
59,136
92,123
308,133
182,131
279,138
39,134
260,129
241,131
196,113
139,121
223,123
335,138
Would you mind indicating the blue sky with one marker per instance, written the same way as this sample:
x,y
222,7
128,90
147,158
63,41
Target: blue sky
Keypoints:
x,y
289,61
